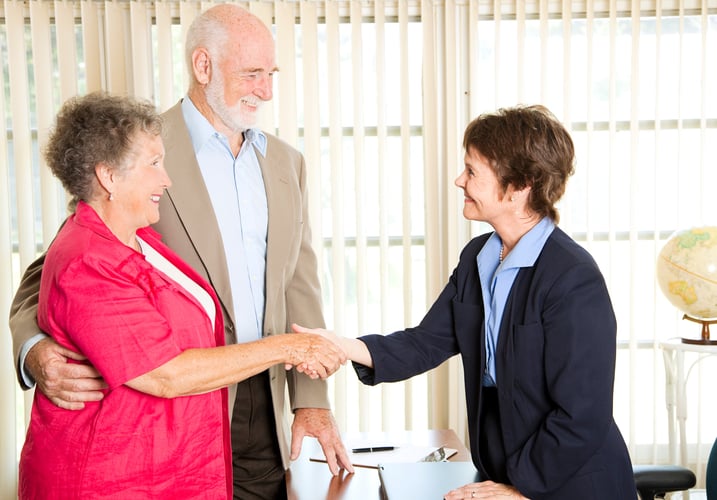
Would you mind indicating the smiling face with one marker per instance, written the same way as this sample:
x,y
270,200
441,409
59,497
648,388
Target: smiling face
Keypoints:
x,y
242,78
485,200
138,186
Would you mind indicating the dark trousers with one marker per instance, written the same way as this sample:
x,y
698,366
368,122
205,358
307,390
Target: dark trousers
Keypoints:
x,y
258,471
490,441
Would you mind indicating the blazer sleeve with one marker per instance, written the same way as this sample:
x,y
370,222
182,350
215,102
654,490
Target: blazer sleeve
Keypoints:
x,y
579,331
404,354
23,313
303,306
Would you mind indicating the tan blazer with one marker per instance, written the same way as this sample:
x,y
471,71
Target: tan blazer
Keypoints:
x,y
188,226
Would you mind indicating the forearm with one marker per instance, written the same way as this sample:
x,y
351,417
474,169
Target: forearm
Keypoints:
x,y
26,378
196,371
23,318
356,351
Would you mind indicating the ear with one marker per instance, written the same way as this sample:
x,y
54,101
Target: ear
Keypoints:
x,y
201,65
518,194
105,177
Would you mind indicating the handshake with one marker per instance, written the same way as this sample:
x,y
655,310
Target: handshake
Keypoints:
x,y
318,353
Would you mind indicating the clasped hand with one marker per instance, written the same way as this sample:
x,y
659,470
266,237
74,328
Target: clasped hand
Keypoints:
x,y
314,355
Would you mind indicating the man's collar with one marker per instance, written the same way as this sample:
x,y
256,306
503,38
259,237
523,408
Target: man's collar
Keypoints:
x,y
256,138
200,130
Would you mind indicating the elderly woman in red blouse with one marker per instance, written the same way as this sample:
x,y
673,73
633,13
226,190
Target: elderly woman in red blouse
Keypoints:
x,y
144,319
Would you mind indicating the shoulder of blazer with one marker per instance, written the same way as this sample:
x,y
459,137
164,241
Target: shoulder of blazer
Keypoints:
x,y
276,142
280,151
562,252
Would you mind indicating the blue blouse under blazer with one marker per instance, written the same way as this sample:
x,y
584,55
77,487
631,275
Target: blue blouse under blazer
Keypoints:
x,y
555,366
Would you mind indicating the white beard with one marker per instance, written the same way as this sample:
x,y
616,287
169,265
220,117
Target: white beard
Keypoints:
x,y
234,117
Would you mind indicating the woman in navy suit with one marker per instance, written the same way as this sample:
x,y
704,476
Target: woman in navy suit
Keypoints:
x,y
528,311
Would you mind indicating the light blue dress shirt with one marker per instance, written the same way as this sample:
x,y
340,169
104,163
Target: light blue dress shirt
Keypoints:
x,y
496,280
236,188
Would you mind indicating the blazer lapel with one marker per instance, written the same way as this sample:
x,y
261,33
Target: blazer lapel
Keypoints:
x,y
191,201
280,229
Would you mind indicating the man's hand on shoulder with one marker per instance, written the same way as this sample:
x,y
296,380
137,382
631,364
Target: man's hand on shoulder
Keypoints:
x,y
320,424
68,385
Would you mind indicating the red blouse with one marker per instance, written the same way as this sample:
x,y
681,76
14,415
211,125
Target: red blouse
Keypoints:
x,y
104,300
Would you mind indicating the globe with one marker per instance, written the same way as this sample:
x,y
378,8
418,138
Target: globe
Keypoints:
x,y
687,274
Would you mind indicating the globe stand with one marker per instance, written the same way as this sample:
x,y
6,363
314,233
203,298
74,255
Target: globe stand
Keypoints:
x,y
705,339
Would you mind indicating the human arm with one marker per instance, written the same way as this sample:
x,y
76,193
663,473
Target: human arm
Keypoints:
x,y
403,354
141,328
319,423
68,385
39,359
196,371
359,353
299,300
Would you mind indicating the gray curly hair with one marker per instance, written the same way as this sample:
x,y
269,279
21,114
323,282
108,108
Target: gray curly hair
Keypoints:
x,y
93,129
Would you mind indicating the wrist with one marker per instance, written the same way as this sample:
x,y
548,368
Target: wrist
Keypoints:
x,y
289,347
27,360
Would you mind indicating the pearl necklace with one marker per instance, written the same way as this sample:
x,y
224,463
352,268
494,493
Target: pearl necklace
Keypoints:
x,y
500,255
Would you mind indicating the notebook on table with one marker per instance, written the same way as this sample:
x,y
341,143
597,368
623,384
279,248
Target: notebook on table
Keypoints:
x,y
424,480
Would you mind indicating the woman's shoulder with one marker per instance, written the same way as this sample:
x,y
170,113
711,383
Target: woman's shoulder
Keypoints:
x,y
564,257
73,241
78,248
563,247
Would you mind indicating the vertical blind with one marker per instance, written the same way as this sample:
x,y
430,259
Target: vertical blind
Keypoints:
x,y
376,94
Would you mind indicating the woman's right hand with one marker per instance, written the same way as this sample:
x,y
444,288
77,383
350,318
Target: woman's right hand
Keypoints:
x,y
355,349
313,354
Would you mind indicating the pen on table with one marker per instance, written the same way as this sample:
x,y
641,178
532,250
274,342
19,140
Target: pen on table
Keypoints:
x,y
372,449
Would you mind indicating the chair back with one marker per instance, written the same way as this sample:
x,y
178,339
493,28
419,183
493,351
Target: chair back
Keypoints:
x,y
711,474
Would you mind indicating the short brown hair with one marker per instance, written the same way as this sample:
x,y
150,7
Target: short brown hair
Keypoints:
x,y
97,128
526,146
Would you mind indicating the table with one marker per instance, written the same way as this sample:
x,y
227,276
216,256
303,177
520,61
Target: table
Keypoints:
x,y
308,480
676,378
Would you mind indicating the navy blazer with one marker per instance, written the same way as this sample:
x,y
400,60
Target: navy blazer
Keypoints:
x,y
555,367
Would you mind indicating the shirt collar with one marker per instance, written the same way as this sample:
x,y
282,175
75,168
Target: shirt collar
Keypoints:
x,y
526,251
530,245
201,131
